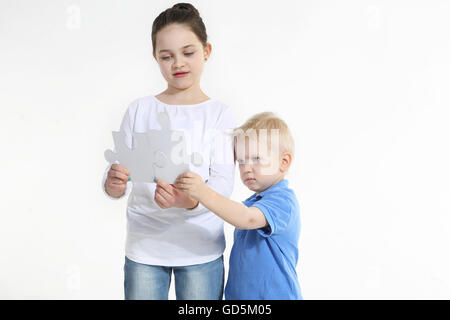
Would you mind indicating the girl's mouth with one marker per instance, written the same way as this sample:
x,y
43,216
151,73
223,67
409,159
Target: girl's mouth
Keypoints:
x,y
180,74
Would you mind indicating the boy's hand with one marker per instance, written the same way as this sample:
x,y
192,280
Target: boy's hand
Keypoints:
x,y
167,196
192,184
116,181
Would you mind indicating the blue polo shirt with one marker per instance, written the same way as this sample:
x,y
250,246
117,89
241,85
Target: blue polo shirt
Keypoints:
x,y
263,261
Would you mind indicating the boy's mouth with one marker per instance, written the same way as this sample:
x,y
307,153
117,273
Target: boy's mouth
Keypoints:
x,y
249,179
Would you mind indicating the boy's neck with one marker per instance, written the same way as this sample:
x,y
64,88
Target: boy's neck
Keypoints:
x,y
274,183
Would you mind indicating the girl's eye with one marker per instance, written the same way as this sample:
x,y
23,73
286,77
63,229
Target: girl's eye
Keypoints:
x,y
240,161
256,159
188,54
165,58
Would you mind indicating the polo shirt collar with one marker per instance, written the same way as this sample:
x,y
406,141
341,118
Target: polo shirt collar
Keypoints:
x,y
280,185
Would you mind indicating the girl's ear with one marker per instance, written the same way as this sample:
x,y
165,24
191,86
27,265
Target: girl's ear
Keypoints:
x,y
207,51
286,160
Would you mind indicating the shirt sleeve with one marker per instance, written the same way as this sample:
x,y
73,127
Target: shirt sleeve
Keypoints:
x,y
277,211
222,167
126,127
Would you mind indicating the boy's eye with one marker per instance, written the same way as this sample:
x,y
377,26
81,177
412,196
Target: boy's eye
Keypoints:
x,y
256,159
166,58
188,53
240,161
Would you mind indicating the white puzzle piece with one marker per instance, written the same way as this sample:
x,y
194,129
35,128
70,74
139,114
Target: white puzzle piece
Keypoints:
x,y
155,153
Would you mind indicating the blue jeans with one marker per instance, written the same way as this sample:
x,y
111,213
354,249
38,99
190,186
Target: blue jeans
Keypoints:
x,y
196,282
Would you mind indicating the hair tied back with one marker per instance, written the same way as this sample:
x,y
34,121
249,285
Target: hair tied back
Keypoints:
x,y
186,6
182,13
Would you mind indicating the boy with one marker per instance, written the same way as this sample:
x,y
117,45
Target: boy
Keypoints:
x,y
265,252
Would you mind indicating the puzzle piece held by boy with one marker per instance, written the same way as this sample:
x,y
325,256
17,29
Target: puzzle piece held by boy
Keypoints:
x,y
154,154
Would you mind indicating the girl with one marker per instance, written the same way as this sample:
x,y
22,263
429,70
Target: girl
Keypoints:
x,y
168,231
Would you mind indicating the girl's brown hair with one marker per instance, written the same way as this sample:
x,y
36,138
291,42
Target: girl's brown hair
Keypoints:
x,y
182,13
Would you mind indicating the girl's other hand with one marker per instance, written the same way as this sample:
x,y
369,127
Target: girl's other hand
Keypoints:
x,y
116,181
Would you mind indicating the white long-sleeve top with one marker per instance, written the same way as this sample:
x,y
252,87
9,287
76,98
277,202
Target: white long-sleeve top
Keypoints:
x,y
174,236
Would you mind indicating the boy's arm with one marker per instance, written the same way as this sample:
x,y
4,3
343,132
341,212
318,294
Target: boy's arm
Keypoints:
x,y
235,213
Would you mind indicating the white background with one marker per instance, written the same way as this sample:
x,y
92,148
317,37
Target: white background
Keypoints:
x,y
364,86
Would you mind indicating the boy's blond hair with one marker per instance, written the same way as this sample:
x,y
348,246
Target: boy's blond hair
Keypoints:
x,y
269,121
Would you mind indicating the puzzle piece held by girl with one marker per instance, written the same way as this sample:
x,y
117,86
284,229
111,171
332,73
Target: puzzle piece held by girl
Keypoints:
x,y
155,153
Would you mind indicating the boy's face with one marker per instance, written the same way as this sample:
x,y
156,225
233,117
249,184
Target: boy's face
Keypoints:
x,y
177,49
259,167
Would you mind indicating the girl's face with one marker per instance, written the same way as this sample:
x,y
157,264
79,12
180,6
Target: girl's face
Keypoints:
x,y
180,56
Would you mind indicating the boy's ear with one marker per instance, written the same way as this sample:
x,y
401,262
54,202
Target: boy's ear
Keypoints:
x,y
286,160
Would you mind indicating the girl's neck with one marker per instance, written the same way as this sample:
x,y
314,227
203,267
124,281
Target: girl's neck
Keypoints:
x,y
180,97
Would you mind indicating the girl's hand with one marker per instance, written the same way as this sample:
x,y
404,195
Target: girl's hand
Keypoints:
x,y
116,181
192,184
167,196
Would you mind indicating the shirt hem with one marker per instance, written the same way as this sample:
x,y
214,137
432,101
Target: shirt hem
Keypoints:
x,y
160,262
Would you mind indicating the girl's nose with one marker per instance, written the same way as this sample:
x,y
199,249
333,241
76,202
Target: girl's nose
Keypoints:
x,y
178,62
